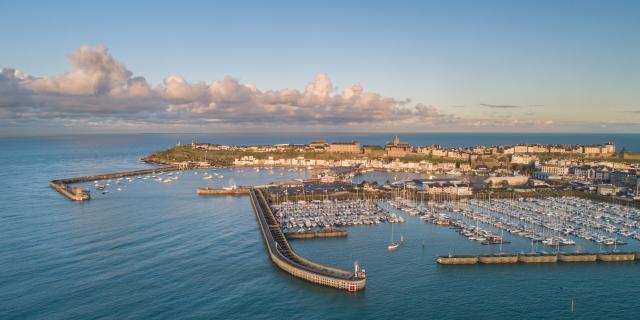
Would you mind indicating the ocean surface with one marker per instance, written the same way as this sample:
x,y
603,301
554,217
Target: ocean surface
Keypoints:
x,y
157,251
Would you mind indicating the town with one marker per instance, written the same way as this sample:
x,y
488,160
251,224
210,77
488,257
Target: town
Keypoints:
x,y
593,168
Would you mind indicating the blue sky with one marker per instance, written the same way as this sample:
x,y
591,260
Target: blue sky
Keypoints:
x,y
533,65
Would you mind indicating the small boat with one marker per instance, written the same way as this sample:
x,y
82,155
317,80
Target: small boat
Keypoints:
x,y
393,245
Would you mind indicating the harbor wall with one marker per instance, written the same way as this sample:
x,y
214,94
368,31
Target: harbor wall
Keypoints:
x,y
78,194
577,257
614,257
539,258
223,192
288,260
501,259
457,260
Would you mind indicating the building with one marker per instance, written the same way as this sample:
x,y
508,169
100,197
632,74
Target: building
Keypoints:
x,y
523,159
319,145
606,189
497,182
623,178
554,170
346,147
444,186
397,149
609,148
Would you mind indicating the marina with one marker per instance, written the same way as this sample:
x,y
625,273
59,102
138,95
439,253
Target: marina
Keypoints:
x,y
304,216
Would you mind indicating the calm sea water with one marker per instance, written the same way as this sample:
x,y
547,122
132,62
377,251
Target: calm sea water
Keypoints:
x,y
160,251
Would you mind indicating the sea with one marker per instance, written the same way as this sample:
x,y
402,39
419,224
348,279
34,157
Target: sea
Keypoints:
x,y
152,250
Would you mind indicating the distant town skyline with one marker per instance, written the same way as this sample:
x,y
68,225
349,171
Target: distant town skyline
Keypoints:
x,y
455,66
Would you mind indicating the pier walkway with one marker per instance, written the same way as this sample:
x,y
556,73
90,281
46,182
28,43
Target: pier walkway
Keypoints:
x,y
288,260
79,194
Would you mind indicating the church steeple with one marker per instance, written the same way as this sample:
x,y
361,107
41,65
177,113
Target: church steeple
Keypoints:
x,y
396,141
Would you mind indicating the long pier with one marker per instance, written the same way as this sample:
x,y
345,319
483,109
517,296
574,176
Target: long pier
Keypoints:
x,y
79,194
288,260
206,191
539,258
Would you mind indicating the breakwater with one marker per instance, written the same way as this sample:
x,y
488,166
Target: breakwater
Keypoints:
x,y
223,192
79,194
288,260
538,258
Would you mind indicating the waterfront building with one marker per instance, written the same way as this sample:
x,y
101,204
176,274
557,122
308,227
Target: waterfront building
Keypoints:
x,y
602,174
623,178
508,180
606,189
444,186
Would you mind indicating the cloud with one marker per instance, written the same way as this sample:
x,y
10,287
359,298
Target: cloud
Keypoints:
x,y
95,72
99,89
500,106
509,106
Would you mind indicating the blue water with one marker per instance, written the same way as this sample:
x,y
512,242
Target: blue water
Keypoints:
x,y
160,251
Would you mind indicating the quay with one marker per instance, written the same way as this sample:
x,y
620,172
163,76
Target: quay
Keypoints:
x,y
206,191
79,194
316,234
283,256
538,258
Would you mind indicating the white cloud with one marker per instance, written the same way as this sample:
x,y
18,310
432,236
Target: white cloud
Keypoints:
x,y
99,89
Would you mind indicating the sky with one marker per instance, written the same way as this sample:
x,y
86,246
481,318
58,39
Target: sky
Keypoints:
x,y
405,66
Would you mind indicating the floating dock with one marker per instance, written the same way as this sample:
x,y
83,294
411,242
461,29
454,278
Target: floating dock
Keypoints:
x,y
79,194
288,260
223,192
538,258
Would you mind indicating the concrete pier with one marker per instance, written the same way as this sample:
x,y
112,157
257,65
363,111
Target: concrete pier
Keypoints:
x,y
457,260
288,260
79,194
538,258
616,256
223,192
498,258
577,257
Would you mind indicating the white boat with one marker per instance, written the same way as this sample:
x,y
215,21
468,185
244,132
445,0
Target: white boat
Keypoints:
x,y
393,245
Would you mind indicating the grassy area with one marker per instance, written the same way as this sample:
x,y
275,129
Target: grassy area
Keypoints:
x,y
226,158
